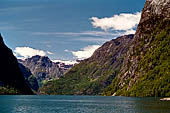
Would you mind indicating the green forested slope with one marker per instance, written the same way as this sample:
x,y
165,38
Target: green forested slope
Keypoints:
x,y
147,71
92,75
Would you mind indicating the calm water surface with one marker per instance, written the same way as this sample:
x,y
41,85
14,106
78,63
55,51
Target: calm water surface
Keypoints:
x,y
81,104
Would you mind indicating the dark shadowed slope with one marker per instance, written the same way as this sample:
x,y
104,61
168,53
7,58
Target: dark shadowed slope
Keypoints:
x,y
31,80
11,79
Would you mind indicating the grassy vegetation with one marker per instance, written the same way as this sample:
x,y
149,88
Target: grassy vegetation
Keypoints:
x,y
154,66
92,75
7,90
87,78
33,83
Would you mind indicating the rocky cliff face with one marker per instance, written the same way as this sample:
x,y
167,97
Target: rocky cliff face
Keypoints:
x,y
145,71
92,75
11,79
64,67
42,68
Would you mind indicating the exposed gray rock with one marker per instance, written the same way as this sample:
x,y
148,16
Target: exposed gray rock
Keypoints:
x,y
155,17
42,67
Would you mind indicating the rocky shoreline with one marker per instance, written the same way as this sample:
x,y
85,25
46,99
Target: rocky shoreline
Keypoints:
x,y
165,99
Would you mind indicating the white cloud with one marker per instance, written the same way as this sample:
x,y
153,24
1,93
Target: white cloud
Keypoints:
x,y
7,28
18,9
85,33
85,52
50,53
67,62
87,36
27,52
92,39
115,26
123,21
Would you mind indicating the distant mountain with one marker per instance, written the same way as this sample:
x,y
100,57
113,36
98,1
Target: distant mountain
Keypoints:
x,y
42,68
146,67
93,75
64,67
11,78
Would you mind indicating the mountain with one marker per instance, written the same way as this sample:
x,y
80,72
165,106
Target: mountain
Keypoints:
x,y
42,68
64,67
92,75
146,67
29,77
11,79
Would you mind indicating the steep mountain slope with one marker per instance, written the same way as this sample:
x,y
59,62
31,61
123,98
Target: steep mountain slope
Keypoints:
x,y
92,75
42,68
29,77
146,68
11,79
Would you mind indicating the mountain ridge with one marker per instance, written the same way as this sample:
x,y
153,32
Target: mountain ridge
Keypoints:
x,y
11,79
42,68
141,73
92,75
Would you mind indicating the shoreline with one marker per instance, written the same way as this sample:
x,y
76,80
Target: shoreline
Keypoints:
x,y
165,99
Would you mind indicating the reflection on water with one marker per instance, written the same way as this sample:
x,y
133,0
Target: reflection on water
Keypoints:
x,y
81,104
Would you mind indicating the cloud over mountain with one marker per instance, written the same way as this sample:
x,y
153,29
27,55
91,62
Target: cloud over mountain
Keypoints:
x,y
85,52
123,21
26,52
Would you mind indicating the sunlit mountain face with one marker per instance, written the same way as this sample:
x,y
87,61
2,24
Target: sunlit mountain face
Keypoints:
x,y
65,30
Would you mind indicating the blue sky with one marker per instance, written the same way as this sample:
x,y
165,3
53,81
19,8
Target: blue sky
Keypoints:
x,y
64,29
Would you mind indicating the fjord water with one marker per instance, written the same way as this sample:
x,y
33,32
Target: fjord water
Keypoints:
x,y
81,104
